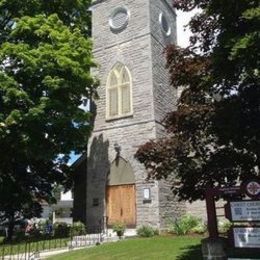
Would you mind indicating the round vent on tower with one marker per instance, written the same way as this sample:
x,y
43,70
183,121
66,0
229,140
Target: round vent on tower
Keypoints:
x,y
119,18
164,24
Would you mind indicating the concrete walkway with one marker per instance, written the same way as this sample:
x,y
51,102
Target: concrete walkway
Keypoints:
x,y
44,255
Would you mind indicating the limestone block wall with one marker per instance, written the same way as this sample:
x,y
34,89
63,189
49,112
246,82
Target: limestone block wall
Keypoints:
x,y
170,208
140,47
156,7
131,47
148,213
165,96
197,208
168,2
129,54
165,99
138,24
102,154
80,191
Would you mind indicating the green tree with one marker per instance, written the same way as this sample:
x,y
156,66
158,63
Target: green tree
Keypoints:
x,y
45,62
214,136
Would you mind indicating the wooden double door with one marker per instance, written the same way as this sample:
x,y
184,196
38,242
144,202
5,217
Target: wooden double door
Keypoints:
x,y
121,205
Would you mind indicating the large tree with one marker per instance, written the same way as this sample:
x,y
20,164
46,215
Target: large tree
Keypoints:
x,y
45,63
214,135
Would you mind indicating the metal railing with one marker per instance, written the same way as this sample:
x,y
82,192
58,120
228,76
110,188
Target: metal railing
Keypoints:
x,y
30,248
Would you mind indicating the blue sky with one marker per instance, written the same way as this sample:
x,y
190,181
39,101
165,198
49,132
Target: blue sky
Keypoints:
x,y
73,158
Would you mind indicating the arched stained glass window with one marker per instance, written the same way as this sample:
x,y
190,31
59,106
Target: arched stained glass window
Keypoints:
x,y
119,100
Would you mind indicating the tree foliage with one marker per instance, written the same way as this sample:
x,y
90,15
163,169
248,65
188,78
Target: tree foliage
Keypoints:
x,y
214,134
45,62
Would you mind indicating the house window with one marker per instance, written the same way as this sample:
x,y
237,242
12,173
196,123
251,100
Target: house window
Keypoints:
x,y
119,92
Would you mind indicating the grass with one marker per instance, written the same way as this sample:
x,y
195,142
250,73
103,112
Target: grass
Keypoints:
x,y
179,248
21,247
164,247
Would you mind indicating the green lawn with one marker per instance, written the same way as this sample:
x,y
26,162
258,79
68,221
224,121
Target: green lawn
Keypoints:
x,y
181,248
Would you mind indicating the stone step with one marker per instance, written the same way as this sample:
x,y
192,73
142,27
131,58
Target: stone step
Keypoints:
x,y
129,232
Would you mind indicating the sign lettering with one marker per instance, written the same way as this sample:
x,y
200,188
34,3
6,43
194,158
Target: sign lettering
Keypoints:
x,y
246,237
247,211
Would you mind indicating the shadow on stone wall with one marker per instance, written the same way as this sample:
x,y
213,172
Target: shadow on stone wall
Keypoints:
x,y
97,169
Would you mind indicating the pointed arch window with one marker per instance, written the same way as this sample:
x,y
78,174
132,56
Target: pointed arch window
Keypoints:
x,y
119,92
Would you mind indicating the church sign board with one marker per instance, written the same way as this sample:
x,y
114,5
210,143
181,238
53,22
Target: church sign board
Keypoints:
x,y
252,188
246,237
247,212
243,211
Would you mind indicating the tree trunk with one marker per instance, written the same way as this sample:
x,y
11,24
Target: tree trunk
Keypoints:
x,y
11,223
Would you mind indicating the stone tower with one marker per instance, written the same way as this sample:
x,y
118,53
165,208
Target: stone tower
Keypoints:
x,y
129,38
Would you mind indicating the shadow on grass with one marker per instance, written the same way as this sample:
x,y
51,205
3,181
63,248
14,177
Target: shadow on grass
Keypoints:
x,y
245,253
190,253
194,253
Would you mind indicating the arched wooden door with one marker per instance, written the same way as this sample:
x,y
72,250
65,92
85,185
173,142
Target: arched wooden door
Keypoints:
x,y
121,194
121,205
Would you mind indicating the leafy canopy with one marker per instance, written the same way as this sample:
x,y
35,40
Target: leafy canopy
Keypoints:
x,y
45,62
214,135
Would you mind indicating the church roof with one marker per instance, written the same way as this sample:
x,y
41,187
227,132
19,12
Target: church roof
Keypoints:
x,y
79,161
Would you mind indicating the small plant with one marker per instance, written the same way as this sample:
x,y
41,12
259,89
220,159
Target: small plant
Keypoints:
x,y
147,231
201,228
78,228
44,227
19,236
184,225
61,229
224,226
119,228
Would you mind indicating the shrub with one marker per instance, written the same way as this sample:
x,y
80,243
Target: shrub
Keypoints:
x,y
43,227
147,231
61,229
19,236
34,234
78,228
184,225
201,228
2,233
119,228
224,226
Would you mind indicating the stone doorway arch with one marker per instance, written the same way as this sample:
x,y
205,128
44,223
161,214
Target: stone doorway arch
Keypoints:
x,y
121,194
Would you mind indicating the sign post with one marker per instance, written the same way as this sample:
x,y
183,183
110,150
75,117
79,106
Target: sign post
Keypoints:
x,y
245,212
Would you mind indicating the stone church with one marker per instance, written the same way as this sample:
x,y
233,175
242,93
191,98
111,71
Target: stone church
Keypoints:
x,y
111,186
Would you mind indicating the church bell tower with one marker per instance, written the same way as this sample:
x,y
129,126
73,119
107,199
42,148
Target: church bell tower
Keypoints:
x,y
129,38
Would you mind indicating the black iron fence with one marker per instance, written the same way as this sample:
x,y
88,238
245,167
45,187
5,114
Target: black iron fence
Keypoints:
x,y
33,247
